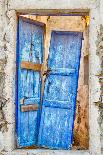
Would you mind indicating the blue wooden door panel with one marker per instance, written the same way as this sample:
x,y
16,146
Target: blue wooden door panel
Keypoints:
x,y
59,101
30,49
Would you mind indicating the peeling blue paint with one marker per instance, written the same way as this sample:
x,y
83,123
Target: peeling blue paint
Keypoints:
x,y
59,101
30,48
55,129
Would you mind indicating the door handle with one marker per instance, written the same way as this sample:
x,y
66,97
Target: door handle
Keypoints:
x,y
48,87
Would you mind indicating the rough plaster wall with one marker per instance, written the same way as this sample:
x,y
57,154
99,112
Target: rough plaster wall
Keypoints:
x,y
54,4
100,75
94,86
3,101
7,125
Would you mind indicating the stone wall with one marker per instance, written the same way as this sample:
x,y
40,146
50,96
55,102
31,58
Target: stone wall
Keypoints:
x,y
3,123
3,101
100,75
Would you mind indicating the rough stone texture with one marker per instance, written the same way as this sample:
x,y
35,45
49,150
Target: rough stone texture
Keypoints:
x,y
45,152
3,122
6,118
8,22
94,86
100,75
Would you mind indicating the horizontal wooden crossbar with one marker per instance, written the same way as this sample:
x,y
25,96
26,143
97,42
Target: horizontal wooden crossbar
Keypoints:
x,y
31,66
32,107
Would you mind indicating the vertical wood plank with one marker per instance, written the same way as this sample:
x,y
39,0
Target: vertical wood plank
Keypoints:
x,y
59,101
30,49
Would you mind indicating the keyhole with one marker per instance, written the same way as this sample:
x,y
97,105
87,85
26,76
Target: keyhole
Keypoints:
x,y
48,88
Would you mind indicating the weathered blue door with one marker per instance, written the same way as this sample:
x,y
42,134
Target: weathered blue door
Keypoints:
x,y
59,101
30,59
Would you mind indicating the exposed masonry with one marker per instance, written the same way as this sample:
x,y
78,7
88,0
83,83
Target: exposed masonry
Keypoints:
x,y
100,102
3,123
3,61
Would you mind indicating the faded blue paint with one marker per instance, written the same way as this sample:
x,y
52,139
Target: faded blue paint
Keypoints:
x,y
59,101
29,48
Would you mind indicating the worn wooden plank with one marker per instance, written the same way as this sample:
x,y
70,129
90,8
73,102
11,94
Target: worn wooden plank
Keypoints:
x,y
31,66
59,101
29,60
25,108
33,127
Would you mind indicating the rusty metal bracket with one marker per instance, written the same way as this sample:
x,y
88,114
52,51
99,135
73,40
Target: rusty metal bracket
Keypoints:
x,y
47,72
22,101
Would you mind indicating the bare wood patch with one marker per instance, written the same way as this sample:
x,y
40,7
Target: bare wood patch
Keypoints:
x,y
25,108
31,66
